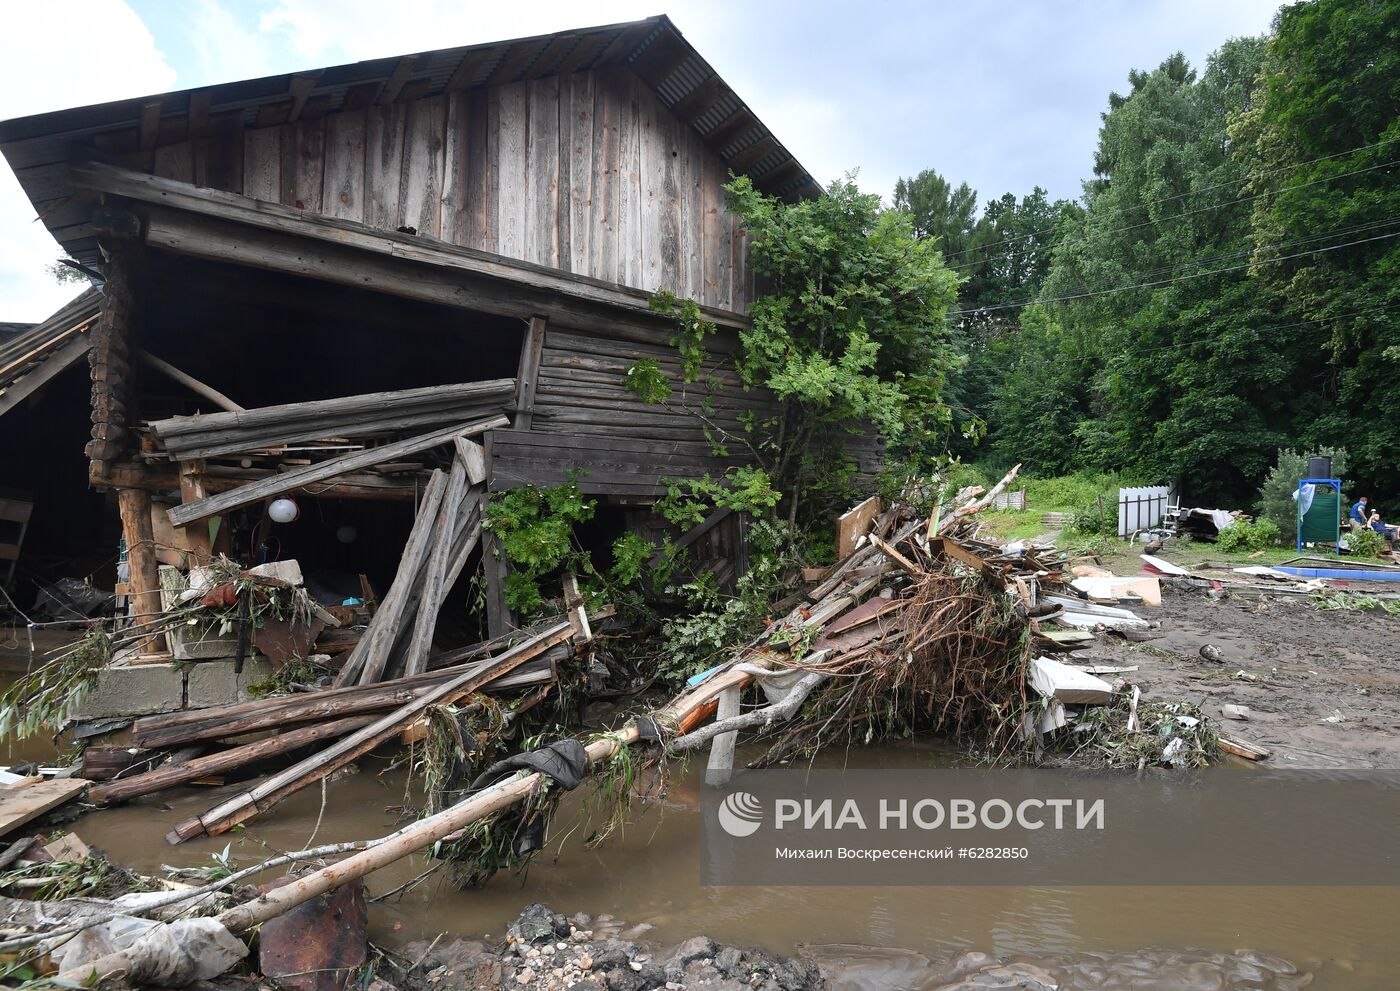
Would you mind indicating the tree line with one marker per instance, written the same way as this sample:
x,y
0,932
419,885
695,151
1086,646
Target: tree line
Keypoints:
x,y
1227,286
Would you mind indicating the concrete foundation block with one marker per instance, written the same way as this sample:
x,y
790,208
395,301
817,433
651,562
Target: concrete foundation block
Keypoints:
x,y
215,682
134,690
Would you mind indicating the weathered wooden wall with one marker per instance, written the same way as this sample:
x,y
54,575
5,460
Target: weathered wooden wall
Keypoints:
x,y
584,418
588,173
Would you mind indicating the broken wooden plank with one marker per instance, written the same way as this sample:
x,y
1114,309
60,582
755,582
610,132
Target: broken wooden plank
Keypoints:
x,y
370,657
721,764
854,524
433,583
271,791
894,555
1240,748
24,801
278,484
473,456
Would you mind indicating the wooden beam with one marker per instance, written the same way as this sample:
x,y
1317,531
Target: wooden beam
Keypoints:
x,y
299,88
163,477
189,382
527,378
368,661
396,79
143,568
124,789
192,490
273,790
296,478
434,583
178,197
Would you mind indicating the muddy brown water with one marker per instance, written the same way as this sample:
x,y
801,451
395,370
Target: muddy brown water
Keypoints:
x,y
650,873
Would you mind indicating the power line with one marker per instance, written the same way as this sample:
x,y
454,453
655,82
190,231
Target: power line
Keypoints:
x,y
1194,192
1204,209
1163,282
1248,252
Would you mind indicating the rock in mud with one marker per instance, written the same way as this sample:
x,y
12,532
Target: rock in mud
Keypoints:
x,y
547,951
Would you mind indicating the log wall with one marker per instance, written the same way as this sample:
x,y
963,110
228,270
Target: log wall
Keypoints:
x,y
588,173
584,418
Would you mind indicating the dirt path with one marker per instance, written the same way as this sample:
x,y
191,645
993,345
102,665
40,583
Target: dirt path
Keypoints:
x,y
1323,686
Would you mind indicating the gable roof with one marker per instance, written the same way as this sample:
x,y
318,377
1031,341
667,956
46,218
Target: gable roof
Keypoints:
x,y
39,148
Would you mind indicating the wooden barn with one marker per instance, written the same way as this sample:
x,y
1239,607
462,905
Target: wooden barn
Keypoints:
x,y
315,285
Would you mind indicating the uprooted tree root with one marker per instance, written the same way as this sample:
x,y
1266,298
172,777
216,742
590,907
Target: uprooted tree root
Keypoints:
x,y
956,667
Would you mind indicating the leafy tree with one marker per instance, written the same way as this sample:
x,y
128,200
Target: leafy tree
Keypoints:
x,y
849,332
1321,140
938,210
1276,500
1193,377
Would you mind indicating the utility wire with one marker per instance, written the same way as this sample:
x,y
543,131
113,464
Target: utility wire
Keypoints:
x,y
1167,220
1204,189
1164,282
1247,252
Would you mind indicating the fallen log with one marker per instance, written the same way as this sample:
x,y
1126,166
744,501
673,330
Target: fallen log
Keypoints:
x,y
271,791
124,789
280,711
977,505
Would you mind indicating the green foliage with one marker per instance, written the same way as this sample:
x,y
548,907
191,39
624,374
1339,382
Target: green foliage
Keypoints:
x,y
1319,142
744,489
631,552
1277,497
1096,519
534,528
849,331
43,700
647,381
709,624
1365,543
1247,535
691,330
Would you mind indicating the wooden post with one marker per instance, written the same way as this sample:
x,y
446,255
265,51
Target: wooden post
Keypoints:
x,y
494,568
721,765
531,354
135,507
192,490
110,359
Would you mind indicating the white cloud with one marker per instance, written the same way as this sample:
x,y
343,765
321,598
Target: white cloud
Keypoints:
x,y
226,49
57,55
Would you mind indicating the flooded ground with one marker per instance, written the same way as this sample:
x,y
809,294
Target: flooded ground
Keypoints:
x,y
1345,936
1308,665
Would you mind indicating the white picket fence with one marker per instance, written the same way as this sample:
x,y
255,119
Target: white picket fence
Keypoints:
x,y
1142,508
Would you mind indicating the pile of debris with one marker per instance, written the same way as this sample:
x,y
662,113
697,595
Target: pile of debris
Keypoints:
x,y
920,628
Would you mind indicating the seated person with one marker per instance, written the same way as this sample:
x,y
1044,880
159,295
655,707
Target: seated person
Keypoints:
x,y
1388,532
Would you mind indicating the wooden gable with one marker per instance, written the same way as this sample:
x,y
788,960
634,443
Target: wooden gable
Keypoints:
x,y
588,173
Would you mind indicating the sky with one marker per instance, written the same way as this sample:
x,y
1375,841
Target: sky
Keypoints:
x,y
1002,94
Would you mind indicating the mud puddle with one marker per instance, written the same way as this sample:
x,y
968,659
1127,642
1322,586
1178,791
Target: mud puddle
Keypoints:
x,y
650,873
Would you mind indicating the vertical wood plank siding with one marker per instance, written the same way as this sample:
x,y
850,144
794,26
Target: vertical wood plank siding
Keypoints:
x,y
587,172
